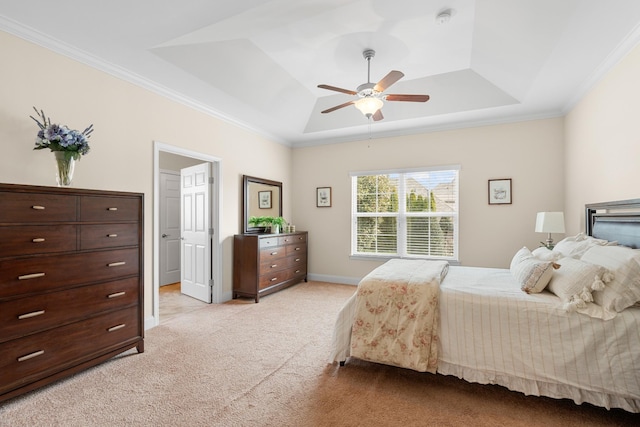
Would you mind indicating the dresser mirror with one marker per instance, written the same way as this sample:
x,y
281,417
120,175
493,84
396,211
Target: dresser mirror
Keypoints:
x,y
261,197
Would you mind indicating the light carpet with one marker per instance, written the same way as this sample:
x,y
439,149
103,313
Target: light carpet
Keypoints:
x,y
247,364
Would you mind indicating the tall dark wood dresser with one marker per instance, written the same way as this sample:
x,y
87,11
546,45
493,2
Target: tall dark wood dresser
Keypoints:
x,y
71,282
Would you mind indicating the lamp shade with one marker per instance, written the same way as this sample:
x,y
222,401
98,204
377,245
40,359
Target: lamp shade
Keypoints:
x,y
550,222
368,105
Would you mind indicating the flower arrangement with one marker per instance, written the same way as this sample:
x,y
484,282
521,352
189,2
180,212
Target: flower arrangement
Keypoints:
x,y
55,137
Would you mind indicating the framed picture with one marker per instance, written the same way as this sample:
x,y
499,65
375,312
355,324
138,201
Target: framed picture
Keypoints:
x,y
323,197
500,191
264,199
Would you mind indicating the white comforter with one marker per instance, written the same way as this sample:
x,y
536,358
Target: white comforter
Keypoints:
x,y
493,333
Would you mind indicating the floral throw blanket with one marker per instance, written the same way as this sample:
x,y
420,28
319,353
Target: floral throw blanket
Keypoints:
x,y
397,314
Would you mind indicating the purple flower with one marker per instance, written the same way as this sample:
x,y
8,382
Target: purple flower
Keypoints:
x,y
61,138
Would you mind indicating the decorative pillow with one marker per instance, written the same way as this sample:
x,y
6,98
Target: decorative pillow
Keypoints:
x,y
532,274
576,246
574,283
520,255
624,263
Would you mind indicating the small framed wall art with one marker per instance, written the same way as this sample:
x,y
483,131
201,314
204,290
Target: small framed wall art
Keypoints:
x,y
264,199
323,197
500,191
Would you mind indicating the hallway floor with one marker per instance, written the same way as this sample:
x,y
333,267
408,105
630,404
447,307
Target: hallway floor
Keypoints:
x,y
173,303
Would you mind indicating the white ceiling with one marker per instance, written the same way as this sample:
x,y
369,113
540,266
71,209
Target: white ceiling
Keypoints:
x,y
257,63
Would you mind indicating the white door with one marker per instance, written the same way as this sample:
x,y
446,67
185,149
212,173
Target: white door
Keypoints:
x,y
169,228
196,232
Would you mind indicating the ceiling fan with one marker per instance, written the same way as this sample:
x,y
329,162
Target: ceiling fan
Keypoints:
x,y
371,95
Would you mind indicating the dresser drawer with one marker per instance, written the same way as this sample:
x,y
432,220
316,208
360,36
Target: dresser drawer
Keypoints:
x,y
273,264
35,207
36,239
293,238
297,262
101,208
296,249
51,272
268,242
108,236
273,253
273,278
28,315
27,359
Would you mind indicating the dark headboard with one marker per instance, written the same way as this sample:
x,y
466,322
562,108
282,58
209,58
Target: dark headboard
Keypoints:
x,y
615,221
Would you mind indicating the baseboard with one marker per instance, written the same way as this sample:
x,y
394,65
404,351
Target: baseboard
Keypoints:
x,y
334,279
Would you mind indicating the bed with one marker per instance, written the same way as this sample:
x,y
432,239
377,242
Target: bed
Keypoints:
x,y
576,337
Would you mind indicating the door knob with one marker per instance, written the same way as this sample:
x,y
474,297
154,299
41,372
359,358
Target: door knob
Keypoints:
x,y
165,235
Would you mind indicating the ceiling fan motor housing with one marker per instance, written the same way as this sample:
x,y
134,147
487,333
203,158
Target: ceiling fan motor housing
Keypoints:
x,y
367,89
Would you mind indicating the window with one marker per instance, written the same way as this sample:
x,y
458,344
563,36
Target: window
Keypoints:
x,y
405,213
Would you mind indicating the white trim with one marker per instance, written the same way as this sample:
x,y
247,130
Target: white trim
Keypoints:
x,y
343,280
216,199
618,54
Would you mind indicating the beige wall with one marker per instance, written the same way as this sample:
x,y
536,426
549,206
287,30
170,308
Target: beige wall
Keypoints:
x,y
603,142
530,153
600,161
127,119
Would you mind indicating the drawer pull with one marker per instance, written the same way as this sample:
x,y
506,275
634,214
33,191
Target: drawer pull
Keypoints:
x,y
274,279
297,271
38,208
274,265
297,249
116,295
32,314
112,235
274,253
37,240
115,328
297,259
116,264
112,209
31,355
30,276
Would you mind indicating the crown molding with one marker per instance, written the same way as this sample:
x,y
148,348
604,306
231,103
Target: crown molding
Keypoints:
x,y
39,38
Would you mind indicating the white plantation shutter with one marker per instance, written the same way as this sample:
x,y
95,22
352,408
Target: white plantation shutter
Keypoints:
x,y
406,213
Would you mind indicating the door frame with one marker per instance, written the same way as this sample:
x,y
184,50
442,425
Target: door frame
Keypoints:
x,y
216,220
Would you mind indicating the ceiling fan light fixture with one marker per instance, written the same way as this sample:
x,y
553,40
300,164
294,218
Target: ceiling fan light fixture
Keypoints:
x,y
369,105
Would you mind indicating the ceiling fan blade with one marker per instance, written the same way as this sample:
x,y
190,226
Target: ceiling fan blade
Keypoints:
x,y
337,107
338,89
410,98
377,116
388,80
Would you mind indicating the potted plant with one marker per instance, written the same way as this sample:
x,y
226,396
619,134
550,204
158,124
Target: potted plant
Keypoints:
x,y
259,221
277,224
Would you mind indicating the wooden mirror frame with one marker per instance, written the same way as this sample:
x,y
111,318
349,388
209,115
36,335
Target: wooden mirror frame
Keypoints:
x,y
246,200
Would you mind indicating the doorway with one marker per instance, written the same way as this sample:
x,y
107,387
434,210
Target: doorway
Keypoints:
x,y
167,160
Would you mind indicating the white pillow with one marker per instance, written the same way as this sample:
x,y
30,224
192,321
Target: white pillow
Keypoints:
x,y
532,274
624,263
576,246
574,283
544,254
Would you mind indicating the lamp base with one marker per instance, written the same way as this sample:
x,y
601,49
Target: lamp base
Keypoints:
x,y
549,243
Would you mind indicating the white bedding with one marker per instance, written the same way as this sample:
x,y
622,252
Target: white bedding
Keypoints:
x,y
493,333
